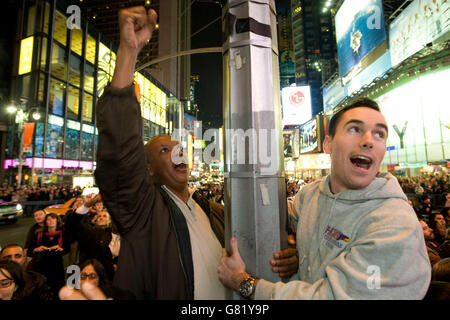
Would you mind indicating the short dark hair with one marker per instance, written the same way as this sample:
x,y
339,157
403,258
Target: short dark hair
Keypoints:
x,y
362,102
99,269
11,245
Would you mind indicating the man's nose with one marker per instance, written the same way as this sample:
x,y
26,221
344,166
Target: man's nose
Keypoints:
x,y
367,141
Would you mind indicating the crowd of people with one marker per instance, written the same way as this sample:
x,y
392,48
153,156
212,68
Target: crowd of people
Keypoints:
x,y
84,236
37,193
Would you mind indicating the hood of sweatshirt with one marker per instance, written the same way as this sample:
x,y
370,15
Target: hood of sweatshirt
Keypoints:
x,y
384,186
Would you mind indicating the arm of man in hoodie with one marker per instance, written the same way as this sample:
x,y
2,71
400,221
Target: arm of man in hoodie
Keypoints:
x,y
387,260
121,172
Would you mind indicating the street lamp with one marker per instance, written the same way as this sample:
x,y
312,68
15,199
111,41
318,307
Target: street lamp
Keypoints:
x,y
22,116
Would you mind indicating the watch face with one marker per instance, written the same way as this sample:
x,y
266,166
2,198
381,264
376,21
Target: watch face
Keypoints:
x,y
246,287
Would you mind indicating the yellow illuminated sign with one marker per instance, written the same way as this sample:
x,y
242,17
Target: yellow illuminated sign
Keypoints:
x,y
26,55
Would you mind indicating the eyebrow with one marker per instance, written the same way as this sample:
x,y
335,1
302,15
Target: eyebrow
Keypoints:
x,y
380,125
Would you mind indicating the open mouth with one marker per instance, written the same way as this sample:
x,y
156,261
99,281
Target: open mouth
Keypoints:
x,y
361,162
181,166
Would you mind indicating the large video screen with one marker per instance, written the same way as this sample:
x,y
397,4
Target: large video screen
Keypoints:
x,y
359,30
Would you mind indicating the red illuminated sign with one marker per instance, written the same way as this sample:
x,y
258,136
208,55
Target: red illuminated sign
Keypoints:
x,y
297,98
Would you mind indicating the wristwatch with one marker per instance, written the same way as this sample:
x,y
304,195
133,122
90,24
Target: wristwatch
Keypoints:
x,y
247,287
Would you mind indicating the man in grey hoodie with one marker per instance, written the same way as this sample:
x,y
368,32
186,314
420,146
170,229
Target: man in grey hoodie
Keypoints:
x,y
357,237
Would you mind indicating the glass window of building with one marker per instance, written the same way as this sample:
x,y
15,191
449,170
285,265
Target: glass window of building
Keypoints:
x,y
72,144
77,41
24,86
55,137
43,57
59,62
87,107
45,17
89,78
60,33
106,65
73,103
41,91
31,21
74,70
87,142
90,49
39,139
56,102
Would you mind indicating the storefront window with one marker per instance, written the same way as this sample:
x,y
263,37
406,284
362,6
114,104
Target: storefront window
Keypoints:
x,y
55,137
90,49
72,143
59,62
87,107
73,103
56,103
39,139
74,70
77,41
89,78
60,33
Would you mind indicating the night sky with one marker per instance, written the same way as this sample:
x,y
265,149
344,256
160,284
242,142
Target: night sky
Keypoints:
x,y
207,65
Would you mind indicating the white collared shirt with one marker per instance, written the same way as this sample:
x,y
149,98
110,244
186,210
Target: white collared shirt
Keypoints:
x,y
206,250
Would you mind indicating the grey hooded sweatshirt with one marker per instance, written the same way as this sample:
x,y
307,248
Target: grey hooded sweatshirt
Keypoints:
x,y
357,244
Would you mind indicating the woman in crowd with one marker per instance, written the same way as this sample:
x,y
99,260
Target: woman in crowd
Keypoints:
x,y
11,280
47,249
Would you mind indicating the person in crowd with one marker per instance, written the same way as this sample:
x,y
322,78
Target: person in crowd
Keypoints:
x,y
432,247
39,217
349,224
169,246
426,208
93,276
47,249
11,280
70,234
35,288
437,223
441,270
94,236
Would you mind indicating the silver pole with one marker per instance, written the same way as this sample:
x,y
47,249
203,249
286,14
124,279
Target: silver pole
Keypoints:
x,y
254,177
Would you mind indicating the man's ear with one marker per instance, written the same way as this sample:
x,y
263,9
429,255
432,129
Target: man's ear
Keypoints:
x,y
327,144
150,170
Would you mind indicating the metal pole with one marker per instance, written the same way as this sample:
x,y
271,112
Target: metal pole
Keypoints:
x,y
255,191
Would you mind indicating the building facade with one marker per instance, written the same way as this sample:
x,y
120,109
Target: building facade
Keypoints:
x,y
60,70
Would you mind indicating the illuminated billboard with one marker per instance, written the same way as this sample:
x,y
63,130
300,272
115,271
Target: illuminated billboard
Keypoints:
x,y
26,55
422,22
418,116
296,103
311,135
291,143
359,30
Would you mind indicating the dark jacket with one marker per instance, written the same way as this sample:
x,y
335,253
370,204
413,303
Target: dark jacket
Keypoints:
x,y
93,241
155,260
35,289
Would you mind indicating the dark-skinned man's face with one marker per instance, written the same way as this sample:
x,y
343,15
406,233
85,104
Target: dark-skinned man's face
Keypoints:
x,y
160,164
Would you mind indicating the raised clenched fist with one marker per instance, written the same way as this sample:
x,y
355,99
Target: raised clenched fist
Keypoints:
x,y
136,27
